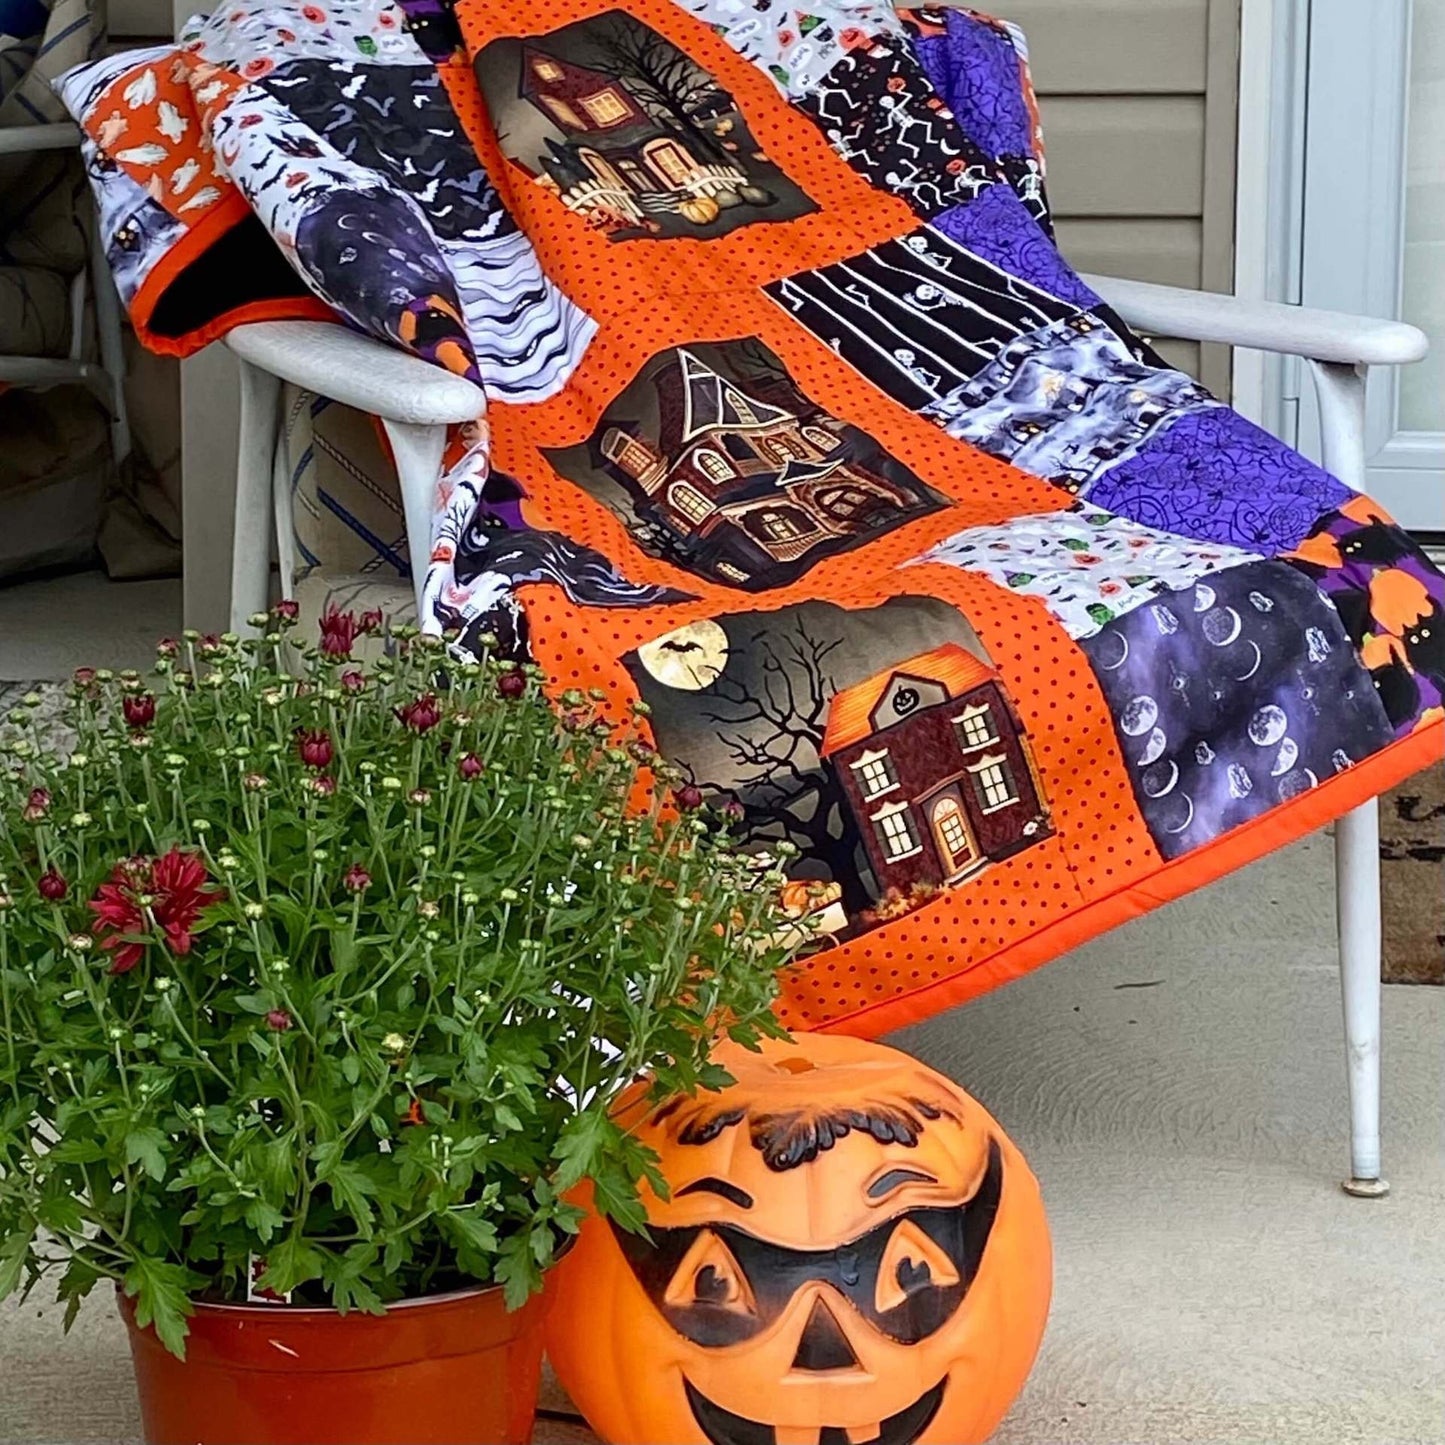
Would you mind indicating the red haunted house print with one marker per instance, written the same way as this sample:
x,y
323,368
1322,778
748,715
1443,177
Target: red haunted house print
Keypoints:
x,y
754,490
936,769
621,165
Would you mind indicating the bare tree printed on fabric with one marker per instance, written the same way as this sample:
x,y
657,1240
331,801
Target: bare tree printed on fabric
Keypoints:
x,y
631,133
783,789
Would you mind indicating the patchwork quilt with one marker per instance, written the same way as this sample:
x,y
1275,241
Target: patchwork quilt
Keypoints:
x,y
963,607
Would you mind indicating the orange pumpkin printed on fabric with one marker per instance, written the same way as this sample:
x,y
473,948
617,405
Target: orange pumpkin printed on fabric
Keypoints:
x,y
852,1250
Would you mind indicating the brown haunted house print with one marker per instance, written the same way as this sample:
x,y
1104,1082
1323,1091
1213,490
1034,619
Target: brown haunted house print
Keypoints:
x,y
622,166
936,770
748,489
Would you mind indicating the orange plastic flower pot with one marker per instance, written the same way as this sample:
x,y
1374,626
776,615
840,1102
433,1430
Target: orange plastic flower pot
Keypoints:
x,y
451,1369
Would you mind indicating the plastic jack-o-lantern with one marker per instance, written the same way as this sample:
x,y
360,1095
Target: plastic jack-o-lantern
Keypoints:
x,y
852,1252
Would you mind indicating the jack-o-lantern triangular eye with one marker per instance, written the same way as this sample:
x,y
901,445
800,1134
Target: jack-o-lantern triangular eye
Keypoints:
x,y
911,1262
710,1276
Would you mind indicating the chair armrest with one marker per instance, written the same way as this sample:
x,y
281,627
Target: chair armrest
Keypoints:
x,y
1263,325
332,360
54,135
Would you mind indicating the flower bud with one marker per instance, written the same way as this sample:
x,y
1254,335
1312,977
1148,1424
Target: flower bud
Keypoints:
x,y
52,886
278,1020
470,766
356,879
421,714
138,709
313,746
511,685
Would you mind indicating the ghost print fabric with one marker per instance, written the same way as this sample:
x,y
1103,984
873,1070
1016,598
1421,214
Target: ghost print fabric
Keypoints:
x,y
1231,696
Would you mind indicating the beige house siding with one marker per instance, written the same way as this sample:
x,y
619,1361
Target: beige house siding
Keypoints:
x,y
1139,100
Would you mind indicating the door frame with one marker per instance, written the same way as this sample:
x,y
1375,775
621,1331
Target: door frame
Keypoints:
x,y
1321,216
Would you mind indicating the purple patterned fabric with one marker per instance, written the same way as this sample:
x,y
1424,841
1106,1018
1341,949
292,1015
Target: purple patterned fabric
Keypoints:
x,y
1230,696
1216,477
975,68
997,226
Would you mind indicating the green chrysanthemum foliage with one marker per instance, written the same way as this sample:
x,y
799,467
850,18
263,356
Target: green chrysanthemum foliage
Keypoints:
x,y
320,977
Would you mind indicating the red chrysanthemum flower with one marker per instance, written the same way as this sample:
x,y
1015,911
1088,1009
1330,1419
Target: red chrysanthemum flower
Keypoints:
x,y
139,710
339,631
287,609
422,714
511,685
353,681
174,889
314,747
37,806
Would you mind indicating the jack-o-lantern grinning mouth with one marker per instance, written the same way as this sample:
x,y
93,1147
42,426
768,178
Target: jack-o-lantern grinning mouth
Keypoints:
x,y
722,1427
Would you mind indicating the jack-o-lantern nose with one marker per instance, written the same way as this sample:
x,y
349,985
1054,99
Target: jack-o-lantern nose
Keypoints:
x,y
823,1345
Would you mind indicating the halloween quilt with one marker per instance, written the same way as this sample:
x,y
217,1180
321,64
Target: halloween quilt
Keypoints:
x,y
934,583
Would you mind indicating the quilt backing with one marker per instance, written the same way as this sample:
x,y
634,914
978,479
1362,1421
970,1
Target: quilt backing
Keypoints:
x,y
959,604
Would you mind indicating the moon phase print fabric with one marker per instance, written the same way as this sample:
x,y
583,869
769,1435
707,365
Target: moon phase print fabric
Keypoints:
x,y
965,613
1231,696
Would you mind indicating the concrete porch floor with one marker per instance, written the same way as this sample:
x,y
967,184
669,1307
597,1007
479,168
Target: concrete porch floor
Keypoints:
x,y
1178,1086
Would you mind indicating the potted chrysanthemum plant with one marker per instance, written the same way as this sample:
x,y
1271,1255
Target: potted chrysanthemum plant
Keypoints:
x,y
317,980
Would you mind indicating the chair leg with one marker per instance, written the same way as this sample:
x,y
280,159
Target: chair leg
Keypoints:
x,y
1341,392
418,453
255,457
283,510
111,339
1357,883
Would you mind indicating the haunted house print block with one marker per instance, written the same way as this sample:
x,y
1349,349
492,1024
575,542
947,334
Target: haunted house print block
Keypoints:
x,y
629,132
1233,696
879,743
918,316
936,770
717,463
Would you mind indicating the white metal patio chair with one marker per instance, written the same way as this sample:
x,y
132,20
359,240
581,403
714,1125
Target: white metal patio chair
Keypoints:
x,y
415,402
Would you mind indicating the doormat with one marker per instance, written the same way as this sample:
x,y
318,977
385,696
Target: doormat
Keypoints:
x,y
1412,879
